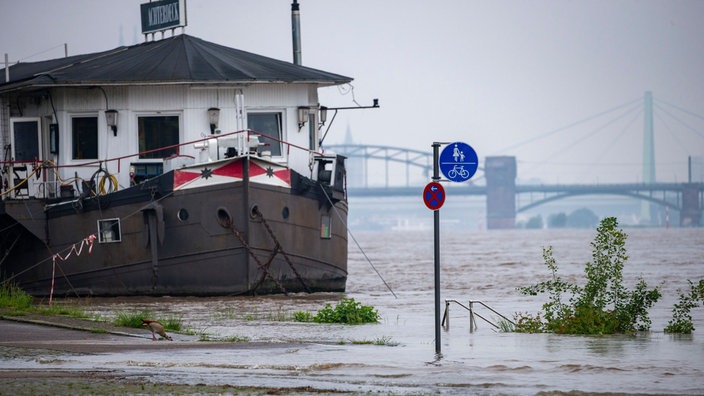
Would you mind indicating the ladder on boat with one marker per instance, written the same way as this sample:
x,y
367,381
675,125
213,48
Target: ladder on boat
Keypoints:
x,y
472,313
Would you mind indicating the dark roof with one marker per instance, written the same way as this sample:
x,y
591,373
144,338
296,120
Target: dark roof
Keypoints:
x,y
178,59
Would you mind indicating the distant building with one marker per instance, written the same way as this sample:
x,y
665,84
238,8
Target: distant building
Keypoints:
x,y
697,169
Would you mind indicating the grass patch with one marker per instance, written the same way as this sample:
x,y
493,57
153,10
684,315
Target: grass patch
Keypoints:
x,y
11,296
381,341
278,315
134,319
62,310
209,338
505,326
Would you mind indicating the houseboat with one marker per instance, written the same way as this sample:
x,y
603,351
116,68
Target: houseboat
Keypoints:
x,y
176,166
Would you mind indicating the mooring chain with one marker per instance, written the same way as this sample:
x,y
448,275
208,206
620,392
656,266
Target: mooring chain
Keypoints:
x,y
264,267
281,249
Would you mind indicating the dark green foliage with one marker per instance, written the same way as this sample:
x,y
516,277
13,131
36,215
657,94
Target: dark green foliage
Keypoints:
x,y
11,296
603,305
681,321
134,319
347,311
131,319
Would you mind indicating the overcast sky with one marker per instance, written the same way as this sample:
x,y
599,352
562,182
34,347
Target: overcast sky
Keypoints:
x,y
559,84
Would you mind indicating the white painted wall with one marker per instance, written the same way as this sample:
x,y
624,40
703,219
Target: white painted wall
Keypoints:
x,y
190,103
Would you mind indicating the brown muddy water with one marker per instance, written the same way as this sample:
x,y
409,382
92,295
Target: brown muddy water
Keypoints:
x,y
397,355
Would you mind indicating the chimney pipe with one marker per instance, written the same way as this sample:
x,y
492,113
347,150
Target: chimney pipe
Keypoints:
x,y
296,32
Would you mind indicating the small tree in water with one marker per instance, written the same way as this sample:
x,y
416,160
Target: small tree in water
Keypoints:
x,y
603,305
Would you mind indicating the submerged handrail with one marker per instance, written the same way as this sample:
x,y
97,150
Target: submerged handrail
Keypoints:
x,y
472,313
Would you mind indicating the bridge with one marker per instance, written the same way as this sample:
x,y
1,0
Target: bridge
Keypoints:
x,y
403,172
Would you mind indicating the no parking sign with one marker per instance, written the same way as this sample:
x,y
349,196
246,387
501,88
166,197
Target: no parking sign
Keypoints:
x,y
434,195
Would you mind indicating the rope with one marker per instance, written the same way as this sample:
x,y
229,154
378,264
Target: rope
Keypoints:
x,y
357,243
107,177
281,250
265,268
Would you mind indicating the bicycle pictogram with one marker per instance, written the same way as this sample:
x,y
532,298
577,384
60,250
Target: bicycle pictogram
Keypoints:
x,y
458,170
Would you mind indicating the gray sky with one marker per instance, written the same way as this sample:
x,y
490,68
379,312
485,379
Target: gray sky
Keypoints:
x,y
506,77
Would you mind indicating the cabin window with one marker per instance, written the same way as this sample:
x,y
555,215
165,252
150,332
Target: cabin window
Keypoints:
x,y
109,231
155,132
84,131
268,124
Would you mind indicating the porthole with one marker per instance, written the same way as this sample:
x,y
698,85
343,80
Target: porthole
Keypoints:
x,y
284,213
182,214
254,212
224,218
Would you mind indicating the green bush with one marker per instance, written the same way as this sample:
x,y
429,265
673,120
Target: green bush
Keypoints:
x,y
347,311
603,305
681,321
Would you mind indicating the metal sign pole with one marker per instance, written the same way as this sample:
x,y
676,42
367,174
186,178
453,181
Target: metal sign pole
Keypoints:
x,y
436,226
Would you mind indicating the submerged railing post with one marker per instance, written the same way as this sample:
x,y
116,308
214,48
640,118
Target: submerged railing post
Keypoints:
x,y
446,316
471,317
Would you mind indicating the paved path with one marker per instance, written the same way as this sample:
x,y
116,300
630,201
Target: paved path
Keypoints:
x,y
66,334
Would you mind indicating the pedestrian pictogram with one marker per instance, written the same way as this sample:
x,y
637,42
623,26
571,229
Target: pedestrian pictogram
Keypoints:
x,y
434,195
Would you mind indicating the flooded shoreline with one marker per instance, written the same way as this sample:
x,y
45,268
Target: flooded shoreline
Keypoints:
x,y
484,266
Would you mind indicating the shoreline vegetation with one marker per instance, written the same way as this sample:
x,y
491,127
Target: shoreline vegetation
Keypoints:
x,y
603,305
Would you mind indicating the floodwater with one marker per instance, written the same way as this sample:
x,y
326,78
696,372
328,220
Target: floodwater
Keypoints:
x,y
398,354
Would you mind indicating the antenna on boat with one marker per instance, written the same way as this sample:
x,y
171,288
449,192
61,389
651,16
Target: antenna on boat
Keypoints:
x,y
375,105
296,32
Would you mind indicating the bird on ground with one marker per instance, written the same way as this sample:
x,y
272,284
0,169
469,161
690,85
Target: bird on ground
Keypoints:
x,y
156,328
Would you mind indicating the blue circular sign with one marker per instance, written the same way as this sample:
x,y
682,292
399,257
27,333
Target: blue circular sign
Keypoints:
x,y
458,162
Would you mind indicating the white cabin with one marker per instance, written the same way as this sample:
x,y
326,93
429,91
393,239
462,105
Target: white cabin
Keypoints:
x,y
113,109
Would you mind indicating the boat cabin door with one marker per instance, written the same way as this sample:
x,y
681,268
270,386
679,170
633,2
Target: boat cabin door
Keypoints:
x,y
25,152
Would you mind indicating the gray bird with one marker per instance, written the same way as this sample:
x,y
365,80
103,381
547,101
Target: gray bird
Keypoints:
x,y
156,328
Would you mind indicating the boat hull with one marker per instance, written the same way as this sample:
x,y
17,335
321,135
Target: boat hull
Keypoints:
x,y
229,238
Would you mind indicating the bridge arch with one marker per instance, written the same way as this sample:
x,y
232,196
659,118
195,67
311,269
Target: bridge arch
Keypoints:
x,y
410,158
566,195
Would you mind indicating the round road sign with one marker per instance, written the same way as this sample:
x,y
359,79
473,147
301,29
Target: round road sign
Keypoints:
x,y
458,162
434,195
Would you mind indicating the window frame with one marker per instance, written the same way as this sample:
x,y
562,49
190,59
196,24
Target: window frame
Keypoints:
x,y
161,114
111,228
282,128
74,142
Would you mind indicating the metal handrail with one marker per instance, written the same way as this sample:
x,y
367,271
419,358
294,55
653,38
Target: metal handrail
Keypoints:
x,y
472,313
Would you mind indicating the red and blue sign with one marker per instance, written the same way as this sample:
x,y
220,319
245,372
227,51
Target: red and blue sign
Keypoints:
x,y
434,195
